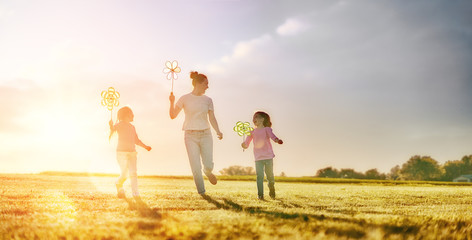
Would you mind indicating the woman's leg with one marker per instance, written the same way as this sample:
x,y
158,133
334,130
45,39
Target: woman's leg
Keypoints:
x,y
192,143
206,150
260,178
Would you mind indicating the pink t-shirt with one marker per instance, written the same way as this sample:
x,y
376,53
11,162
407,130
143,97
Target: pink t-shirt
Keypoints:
x,y
127,137
262,146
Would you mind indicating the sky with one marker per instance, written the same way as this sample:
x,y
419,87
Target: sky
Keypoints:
x,y
348,84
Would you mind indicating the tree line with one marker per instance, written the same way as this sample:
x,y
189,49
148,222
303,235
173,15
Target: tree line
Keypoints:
x,y
421,168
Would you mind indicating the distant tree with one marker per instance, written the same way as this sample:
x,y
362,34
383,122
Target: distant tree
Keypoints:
x,y
374,174
452,169
456,168
467,164
328,172
421,168
394,173
238,170
350,173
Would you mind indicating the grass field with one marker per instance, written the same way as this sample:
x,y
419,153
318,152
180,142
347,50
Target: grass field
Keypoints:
x,y
86,207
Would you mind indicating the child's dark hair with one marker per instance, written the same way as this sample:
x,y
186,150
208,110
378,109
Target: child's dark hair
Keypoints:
x,y
266,122
197,77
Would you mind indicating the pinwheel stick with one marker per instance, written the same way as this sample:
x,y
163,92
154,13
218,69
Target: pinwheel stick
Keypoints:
x,y
110,99
172,88
243,129
171,69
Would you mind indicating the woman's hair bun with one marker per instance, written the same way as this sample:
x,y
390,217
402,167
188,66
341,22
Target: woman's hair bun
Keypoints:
x,y
193,75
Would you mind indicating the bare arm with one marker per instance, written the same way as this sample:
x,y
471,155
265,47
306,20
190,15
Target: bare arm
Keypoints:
x,y
214,124
173,110
141,144
138,142
112,127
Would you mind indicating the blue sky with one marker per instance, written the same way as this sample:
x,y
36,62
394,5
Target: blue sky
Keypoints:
x,y
348,84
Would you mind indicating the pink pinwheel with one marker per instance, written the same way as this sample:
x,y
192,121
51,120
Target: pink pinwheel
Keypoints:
x,y
171,69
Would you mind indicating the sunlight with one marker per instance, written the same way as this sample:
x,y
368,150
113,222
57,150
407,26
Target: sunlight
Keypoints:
x,y
60,135
64,205
62,129
59,208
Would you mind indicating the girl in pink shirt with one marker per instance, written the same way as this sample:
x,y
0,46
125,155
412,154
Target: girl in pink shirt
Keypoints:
x,y
126,154
263,152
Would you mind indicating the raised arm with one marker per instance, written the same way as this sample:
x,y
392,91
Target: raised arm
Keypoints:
x,y
112,127
248,140
173,110
214,124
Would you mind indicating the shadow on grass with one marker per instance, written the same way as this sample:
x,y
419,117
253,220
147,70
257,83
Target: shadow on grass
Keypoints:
x,y
388,229
136,203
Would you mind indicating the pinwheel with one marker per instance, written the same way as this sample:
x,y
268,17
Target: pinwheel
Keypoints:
x,y
171,69
110,99
243,129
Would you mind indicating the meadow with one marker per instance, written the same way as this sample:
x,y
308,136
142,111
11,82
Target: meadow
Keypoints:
x,y
48,206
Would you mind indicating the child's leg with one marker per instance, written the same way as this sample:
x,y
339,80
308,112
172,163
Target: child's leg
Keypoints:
x,y
260,177
192,143
122,160
269,170
133,172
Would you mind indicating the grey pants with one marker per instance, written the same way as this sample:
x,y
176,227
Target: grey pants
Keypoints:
x,y
266,166
199,144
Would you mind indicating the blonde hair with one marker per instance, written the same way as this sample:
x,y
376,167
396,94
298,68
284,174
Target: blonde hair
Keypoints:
x,y
124,112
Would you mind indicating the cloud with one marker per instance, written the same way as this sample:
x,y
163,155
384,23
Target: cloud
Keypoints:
x,y
245,57
292,26
246,48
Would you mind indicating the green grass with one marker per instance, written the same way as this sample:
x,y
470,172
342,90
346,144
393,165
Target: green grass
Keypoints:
x,y
277,179
85,207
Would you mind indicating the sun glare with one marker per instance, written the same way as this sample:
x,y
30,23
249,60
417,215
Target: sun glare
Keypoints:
x,y
61,125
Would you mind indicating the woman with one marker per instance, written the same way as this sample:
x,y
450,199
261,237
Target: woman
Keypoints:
x,y
198,109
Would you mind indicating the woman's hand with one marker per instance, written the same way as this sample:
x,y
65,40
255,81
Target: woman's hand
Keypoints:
x,y
148,148
220,135
173,110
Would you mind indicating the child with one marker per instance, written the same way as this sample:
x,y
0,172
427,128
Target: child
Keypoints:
x,y
126,154
263,153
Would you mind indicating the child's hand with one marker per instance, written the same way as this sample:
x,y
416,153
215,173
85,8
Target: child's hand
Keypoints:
x,y
110,123
148,148
243,145
279,141
171,97
220,135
